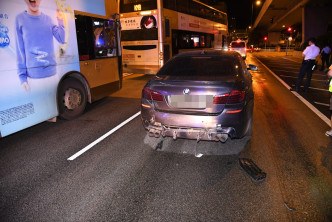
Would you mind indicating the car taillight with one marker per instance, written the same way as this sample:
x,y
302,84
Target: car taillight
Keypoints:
x,y
146,93
235,96
156,96
152,95
220,99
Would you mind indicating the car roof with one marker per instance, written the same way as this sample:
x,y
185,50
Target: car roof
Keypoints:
x,y
230,54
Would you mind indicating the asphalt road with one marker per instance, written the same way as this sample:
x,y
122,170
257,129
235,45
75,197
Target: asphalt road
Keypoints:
x,y
122,178
287,68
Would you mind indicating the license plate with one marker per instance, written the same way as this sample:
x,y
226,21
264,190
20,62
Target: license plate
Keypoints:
x,y
190,101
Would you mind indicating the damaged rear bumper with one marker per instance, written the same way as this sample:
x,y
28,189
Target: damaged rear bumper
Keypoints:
x,y
210,134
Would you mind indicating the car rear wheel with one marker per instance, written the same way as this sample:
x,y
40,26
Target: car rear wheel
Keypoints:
x,y
72,98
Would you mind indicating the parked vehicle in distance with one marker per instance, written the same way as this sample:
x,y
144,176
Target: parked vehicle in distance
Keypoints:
x,y
202,95
250,49
257,49
240,47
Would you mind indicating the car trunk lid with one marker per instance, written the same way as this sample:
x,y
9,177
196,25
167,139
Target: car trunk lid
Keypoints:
x,y
192,97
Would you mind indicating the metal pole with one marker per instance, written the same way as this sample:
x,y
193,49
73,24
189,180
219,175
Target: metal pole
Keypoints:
x,y
286,47
160,32
252,12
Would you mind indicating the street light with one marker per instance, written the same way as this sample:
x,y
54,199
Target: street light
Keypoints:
x,y
289,40
265,39
289,29
258,3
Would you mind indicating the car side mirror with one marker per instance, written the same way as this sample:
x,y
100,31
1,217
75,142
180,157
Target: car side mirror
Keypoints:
x,y
252,67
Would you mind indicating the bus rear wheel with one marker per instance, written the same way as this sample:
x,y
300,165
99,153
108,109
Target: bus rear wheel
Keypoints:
x,y
72,98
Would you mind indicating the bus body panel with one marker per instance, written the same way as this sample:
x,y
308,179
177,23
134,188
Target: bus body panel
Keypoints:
x,y
100,71
140,56
23,105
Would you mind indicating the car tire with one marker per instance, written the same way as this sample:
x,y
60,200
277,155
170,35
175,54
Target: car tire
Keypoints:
x,y
72,98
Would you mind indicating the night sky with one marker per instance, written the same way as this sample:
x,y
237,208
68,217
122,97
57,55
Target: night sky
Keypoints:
x,y
239,9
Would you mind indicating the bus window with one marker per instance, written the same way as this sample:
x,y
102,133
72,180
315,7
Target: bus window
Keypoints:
x,y
142,34
84,40
104,38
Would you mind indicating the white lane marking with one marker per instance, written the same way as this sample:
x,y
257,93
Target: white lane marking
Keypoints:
x,y
323,104
277,77
309,105
314,109
73,157
325,90
277,64
294,60
289,70
295,77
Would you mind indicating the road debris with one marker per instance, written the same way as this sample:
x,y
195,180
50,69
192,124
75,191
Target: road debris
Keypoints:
x,y
252,169
159,145
288,207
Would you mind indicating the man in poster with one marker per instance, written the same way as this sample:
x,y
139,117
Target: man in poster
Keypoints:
x,y
35,50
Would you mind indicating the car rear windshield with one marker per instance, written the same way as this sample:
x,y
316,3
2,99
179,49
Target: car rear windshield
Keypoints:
x,y
200,68
238,45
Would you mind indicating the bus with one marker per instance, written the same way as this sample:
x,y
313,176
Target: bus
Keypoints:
x,y
56,57
155,30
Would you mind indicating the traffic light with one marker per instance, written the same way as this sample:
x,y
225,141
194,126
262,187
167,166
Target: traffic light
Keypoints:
x,y
289,29
271,20
265,38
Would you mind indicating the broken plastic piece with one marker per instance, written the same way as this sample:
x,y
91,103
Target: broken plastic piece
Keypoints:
x,y
198,137
159,145
252,169
288,207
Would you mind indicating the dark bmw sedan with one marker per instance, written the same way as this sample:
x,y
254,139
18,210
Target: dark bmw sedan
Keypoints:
x,y
202,95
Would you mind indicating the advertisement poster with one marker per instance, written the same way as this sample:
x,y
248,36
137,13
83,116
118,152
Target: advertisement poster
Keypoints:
x,y
38,46
141,22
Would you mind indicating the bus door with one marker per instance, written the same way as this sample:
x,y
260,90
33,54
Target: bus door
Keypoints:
x,y
99,59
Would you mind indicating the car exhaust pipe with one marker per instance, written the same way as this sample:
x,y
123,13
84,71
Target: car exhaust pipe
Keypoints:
x,y
157,133
151,132
221,137
174,135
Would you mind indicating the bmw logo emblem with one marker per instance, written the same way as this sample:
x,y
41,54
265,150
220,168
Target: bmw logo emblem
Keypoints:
x,y
186,91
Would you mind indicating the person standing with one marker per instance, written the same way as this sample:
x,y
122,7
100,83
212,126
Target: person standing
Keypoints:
x,y
325,56
309,54
329,75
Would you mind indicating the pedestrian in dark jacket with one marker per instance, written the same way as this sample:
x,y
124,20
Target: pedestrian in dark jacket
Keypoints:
x,y
325,56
